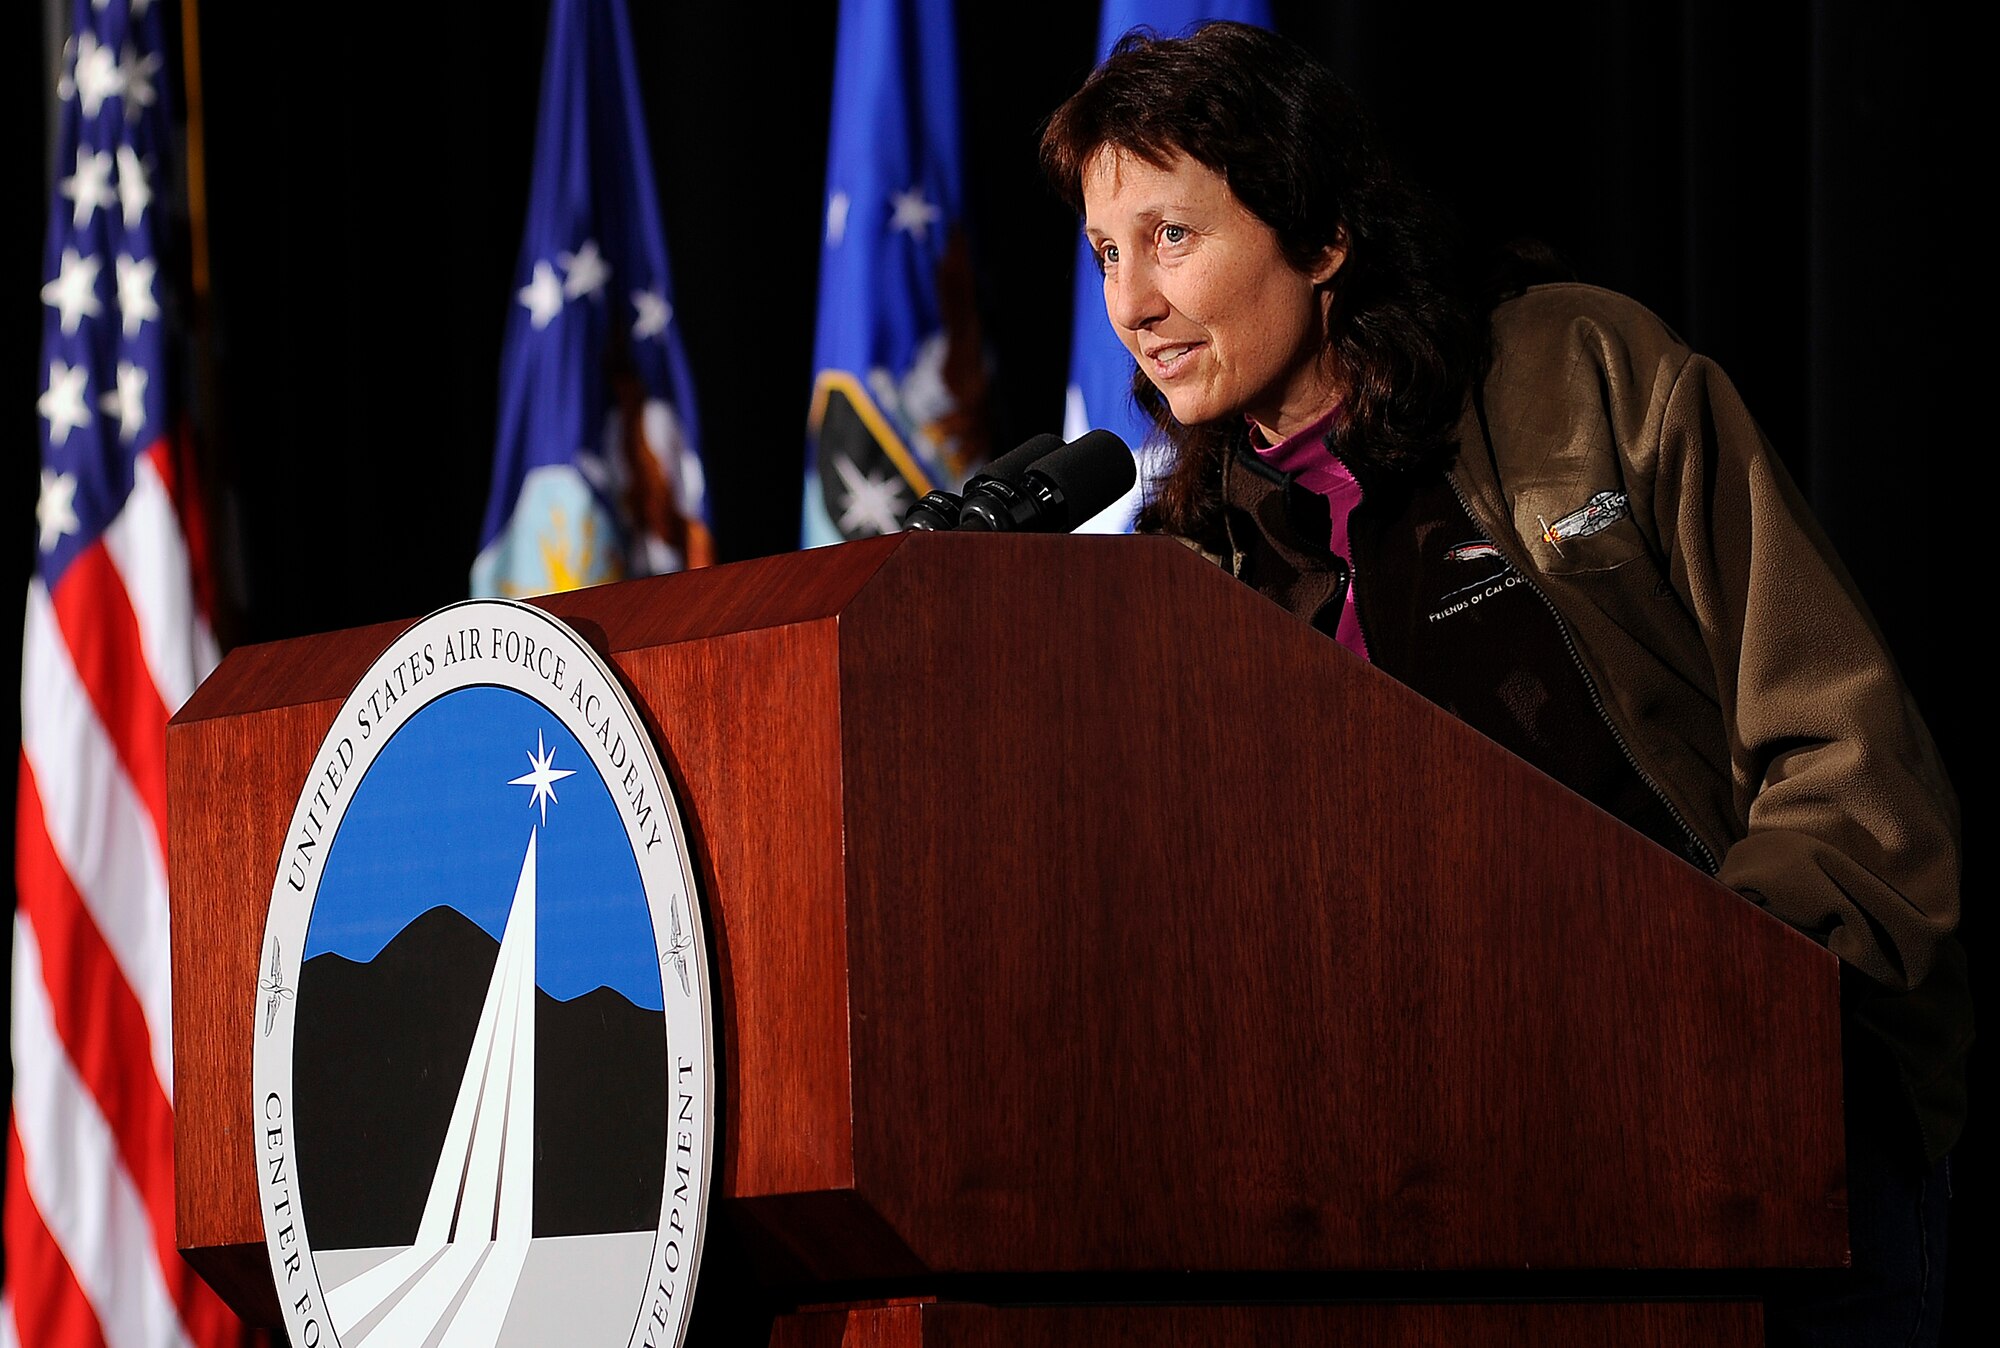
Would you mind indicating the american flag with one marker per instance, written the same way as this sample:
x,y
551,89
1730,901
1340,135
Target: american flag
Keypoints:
x,y
116,639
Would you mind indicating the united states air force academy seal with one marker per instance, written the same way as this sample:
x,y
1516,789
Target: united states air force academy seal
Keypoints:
x,y
483,1061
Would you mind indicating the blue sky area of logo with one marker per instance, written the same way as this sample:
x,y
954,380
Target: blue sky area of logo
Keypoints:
x,y
436,822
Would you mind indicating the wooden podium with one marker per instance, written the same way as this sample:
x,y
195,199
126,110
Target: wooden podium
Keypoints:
x,y
1104,956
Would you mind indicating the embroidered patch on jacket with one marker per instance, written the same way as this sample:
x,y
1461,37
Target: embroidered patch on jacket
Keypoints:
x,y
1496,582
1599,513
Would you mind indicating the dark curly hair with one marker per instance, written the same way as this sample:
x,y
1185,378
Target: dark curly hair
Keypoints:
x,y
1297,151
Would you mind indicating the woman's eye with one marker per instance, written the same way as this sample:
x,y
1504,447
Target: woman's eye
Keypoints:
x,y
1173,234
1107,255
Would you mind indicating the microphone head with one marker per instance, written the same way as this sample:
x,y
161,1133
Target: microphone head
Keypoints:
x,y
1090,473
1009,466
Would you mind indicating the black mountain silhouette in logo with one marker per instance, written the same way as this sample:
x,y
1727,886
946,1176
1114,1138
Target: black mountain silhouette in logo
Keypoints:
x,y
376,1063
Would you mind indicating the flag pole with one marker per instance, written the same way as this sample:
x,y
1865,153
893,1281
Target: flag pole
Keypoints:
x,y
223,582
197,156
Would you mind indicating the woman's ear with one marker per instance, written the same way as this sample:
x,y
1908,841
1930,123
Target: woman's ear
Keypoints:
x,y
1331,259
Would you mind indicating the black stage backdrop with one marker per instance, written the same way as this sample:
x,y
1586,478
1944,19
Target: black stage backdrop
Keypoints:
x,y
1783,183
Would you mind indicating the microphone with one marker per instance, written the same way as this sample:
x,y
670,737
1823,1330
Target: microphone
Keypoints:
x,y
940,509
1061,490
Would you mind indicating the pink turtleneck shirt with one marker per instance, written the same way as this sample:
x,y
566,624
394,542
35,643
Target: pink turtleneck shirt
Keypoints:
x,y
1315,467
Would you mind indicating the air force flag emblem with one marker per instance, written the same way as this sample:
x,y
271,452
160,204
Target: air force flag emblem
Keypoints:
x,y
484,1083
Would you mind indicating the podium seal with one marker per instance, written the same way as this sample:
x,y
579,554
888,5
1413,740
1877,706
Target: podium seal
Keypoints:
x,y
484,1104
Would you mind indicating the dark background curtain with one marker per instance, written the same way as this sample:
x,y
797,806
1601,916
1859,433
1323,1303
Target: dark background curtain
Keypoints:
x,y
1784,184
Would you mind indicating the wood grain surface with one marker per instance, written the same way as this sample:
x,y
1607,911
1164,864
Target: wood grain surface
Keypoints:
x,y
1076,909
1660,1324
1180,938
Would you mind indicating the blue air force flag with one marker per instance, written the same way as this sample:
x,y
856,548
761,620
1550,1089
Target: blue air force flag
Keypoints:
x,y
596,473
899,377
1100,368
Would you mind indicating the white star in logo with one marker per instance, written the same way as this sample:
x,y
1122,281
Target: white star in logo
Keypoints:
x,y
836,218
127,402
73,293
543,778
55,509
135,292
63,401
135,193
584,271
543,295
97,76
90,186
910,211
135,73
872,502
653,314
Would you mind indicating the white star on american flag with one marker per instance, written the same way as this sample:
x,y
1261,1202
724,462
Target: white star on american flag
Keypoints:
x,y
55,511
97,76
63,401
135,193
135,292
90,186
73,294
135,77
127,402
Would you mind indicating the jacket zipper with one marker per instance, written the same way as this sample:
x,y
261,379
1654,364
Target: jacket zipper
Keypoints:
x,y
1706,857
1344,574
1360,618
1353,570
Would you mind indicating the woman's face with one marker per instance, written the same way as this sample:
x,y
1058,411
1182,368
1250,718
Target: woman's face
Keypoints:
x,y
1204,298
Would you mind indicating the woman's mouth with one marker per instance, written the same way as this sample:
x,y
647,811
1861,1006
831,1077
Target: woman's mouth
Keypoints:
x,y
1171,358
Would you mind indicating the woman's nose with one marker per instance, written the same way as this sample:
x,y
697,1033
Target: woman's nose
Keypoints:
x,y
1132,297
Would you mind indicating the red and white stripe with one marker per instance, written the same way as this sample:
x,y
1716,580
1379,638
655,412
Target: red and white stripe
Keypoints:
x,y
108,653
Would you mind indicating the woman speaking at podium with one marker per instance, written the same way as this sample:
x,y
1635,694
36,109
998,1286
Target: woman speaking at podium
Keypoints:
x,y
1549,516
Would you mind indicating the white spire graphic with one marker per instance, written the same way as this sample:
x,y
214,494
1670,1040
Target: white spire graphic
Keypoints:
x,y
453,1287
